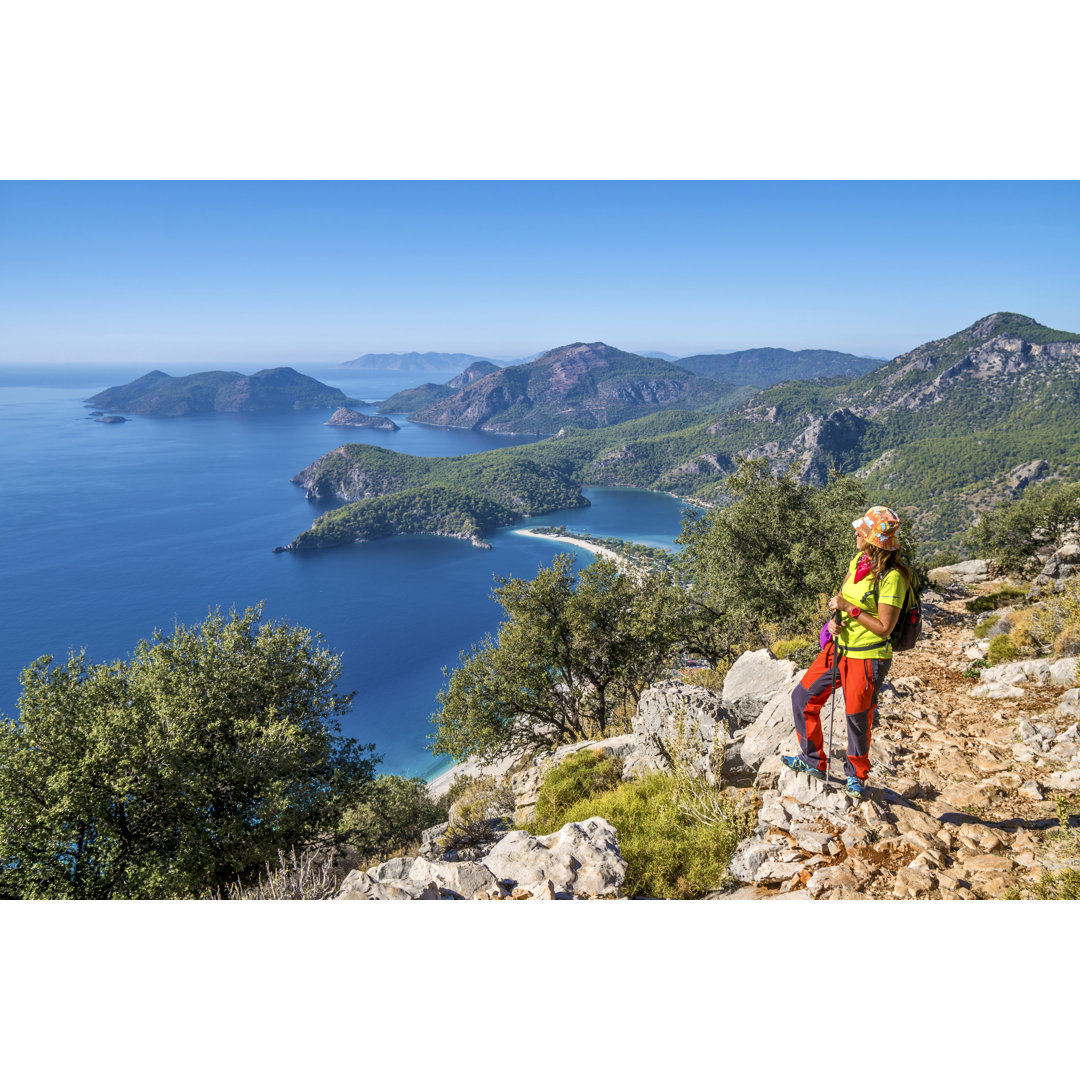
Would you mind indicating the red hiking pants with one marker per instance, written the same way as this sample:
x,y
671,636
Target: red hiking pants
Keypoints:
x,y
861,680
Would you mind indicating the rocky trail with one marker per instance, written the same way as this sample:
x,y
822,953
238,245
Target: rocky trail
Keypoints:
x,y
965,761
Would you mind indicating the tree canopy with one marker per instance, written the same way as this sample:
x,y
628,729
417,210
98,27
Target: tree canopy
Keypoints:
x,y
178,770
1013,530
572,651
762,566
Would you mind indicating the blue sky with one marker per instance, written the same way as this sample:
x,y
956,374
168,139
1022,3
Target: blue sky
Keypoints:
x,y
191,275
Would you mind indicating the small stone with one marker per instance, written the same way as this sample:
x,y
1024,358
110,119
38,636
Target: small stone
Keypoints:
x,y
967,794
1031,790
1064,781
855,836
912,882
546,891
905,787
994,887
817,843
774,871
987,863
1026,730
827,878
520,893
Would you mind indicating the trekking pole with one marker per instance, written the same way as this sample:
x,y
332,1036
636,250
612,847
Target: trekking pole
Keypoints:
x,y
832,697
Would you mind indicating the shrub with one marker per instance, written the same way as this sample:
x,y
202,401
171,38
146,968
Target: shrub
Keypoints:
x,y
1001,650
983,628
1064,885
179,770
667,857
800,650
474,818
1034,629
1012,532
581,776
1010,594
711,678
390,817
1067,643
311,875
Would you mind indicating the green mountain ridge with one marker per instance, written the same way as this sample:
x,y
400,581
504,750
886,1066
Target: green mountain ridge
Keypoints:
x,y
938,432
766,367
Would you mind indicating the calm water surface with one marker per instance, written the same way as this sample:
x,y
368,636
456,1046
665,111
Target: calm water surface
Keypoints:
x,y
111,531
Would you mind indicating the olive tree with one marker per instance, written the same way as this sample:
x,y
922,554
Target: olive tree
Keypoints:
x,y
177,771
762,564
573,650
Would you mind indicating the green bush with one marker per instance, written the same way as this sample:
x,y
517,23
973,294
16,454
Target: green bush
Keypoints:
x,y
1010,594
800,650
1001,650
983,628
1064,885
581,776
666,856
711,678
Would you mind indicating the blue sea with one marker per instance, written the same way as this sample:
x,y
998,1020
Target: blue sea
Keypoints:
x,y
109,532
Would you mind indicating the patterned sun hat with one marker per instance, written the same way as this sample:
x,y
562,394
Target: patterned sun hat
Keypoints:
x,y
879,526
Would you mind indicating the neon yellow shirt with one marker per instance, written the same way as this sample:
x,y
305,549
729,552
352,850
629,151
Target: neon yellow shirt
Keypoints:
x,y
856,639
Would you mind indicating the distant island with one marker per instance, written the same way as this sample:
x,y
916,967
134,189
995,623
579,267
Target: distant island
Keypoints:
x,y
414,361
272,390
344,417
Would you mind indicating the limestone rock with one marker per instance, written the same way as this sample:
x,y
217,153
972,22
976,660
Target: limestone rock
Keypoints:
x,y
811,792
752,682
912,882
826,879
1064,781
361,886
392,868
1063,671
762,739
461,879
969,572
749,856
1018,671
583,856
673,711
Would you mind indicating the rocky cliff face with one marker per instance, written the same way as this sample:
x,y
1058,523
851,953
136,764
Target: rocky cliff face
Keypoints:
x,y
584,385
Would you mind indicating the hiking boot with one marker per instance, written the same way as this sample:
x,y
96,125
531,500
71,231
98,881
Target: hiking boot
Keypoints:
x,y
796,764
854,787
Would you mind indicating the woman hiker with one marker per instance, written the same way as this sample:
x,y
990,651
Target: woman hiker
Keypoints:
x,y
867,607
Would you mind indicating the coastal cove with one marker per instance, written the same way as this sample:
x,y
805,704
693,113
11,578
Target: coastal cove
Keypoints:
x,y
111,531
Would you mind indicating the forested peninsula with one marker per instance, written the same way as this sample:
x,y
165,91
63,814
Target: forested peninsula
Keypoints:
x,y
938,433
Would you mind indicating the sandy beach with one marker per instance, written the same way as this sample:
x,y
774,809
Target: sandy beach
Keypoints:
x,y
441,784
596,549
